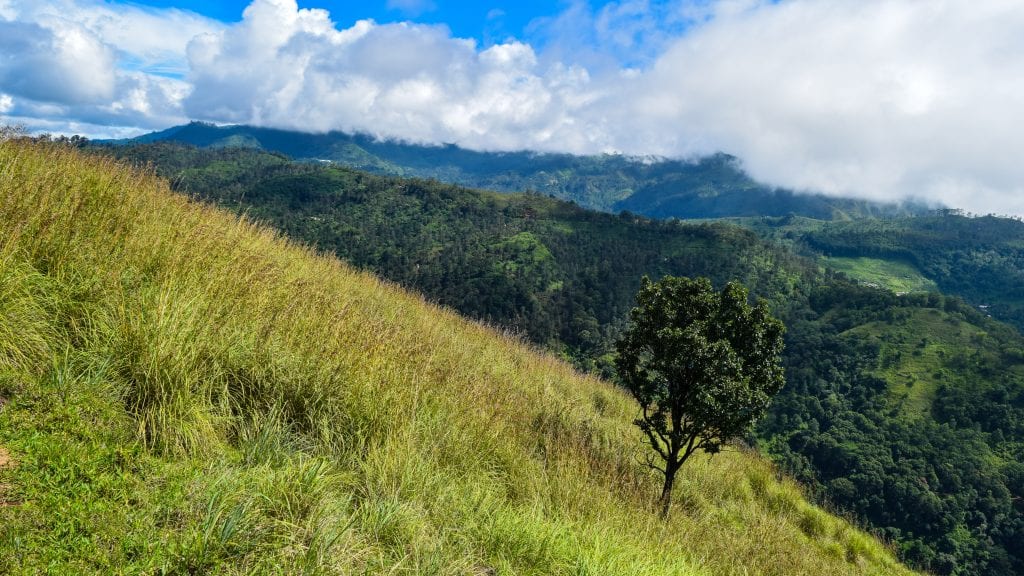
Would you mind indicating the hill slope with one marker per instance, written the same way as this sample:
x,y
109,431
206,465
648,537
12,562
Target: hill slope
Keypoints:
x,y
978,258
877,374
187,392
562,275
711,187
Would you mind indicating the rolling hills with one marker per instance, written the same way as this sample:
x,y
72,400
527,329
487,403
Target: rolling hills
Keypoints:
x,y
185,391
979,258
879,382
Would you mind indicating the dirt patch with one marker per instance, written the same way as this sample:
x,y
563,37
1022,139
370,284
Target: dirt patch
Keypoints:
x,y
6,462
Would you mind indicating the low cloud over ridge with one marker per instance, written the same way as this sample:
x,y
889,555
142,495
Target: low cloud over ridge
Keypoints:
x,y
883,99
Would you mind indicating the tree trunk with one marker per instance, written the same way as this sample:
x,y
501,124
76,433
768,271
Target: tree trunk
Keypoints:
x,y
666,490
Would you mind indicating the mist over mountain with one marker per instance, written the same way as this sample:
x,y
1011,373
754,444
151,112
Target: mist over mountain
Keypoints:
x,y
709,187
883,99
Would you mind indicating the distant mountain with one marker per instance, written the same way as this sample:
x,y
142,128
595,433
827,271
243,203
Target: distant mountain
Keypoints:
x,y
711,187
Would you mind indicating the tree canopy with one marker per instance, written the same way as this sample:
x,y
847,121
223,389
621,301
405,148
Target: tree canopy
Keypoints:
x,y
703,365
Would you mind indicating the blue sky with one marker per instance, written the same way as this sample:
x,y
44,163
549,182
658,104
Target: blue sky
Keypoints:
x,y
880,99
485,21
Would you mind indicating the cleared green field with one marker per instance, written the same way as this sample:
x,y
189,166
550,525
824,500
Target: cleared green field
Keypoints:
x,y
899,277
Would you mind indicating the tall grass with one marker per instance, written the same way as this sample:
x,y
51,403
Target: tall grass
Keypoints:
x,y
192,393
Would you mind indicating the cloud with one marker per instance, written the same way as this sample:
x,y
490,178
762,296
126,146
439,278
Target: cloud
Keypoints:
x,y
143,38
72,63
65,64
292,68
882,99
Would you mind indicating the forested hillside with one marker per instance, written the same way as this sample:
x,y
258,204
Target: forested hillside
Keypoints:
x,y
185,392
711,187
979,258
891,411
909,412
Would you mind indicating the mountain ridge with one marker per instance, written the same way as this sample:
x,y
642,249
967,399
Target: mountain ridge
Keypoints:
x,y
709,187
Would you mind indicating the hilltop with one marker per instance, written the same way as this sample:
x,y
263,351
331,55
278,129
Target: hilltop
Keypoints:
x,y
186,391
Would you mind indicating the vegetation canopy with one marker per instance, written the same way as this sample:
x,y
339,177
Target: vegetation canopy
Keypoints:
x,y
703,366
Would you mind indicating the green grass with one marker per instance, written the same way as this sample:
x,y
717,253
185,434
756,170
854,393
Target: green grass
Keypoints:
x,y
897,276
190,393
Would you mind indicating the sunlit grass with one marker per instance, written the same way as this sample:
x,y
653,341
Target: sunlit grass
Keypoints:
x,y
191,393
894,275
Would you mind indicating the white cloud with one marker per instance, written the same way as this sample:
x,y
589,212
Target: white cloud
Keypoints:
x,y
874,98
292,68
144,38
877,98
73,63
64,64
6,103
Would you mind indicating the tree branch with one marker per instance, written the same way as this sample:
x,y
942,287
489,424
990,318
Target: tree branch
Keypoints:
x,y
654,435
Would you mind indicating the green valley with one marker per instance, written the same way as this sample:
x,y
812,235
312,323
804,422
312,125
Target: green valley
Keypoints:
x,y
979,258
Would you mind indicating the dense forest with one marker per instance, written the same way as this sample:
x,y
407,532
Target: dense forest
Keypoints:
x,y
905,412
711,187
908,412
980,258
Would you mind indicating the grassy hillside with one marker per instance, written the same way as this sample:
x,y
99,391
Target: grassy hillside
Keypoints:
x,y
186,392
864,365
900,277
562,275
927,349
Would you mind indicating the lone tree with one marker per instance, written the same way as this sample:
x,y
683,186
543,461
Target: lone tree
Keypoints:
x,y
703,365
